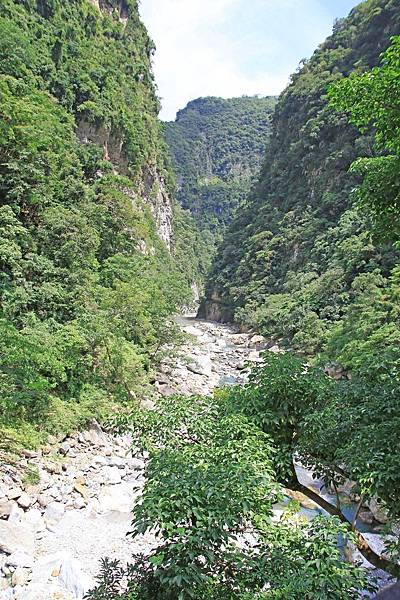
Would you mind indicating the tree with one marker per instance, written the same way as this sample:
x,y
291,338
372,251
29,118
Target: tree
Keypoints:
x,y
209,495
340,431
372,99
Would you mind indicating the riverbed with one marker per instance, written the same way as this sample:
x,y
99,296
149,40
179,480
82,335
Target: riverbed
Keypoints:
x,y
55,532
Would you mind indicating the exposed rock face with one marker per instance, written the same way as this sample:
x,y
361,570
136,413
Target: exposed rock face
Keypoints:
x,y
111,141
214,309
150,184
156,196
107,6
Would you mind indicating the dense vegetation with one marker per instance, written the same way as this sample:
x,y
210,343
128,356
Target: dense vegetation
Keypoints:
x,y
87,287
306,268
216,465
217,147
212,482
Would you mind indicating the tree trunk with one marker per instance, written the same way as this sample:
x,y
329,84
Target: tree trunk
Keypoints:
x,y
372,557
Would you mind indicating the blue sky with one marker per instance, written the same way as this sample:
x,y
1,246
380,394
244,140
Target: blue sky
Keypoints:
x,y
233,47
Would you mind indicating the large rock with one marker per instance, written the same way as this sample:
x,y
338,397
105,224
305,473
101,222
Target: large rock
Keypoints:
x,y
136,464
25,500
254,356
276,350
20,559
376,542
5,509
201,365
14,493
258,342
20,577
193,331
34,520
54,512
76,581
14,537
42,591
111,475
16,514
366,517
167,391
240,339
95,435
118,498
98,461
379,512
48,567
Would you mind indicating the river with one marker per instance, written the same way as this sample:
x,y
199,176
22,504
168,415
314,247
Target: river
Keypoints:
x,y
80,510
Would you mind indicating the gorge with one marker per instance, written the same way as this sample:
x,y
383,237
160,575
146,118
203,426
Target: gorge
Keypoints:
x,y
251,453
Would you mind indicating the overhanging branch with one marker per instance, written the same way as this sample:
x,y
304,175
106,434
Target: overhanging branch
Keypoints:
x,y
371,556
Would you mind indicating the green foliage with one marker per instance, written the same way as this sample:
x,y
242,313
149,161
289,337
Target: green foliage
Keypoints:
x,y
339,429
290,262
366,341
192,247
276,398
87,289
210,487
372,99
217,148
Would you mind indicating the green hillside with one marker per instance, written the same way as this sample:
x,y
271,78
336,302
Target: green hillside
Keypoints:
x,y
217,147
300,253
87,282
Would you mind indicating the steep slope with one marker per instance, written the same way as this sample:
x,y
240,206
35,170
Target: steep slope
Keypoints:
x,y
87,281
299,254
217,147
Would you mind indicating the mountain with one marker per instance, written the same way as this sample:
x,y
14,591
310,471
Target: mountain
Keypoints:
x,y
90,260
300,253
217,147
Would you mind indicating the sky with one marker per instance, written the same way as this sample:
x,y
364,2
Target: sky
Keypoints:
x,y
232,48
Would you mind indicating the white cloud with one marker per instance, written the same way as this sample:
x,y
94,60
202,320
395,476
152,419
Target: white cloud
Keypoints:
x,y
195,55
207,47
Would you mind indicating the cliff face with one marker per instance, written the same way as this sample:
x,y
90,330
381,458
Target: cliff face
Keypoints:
x,y
217,147
88,285
94,58
112,136
290,260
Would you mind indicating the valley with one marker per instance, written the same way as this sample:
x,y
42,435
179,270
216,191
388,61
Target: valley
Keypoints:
x,y
250,451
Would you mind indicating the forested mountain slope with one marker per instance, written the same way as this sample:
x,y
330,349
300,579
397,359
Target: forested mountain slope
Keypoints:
x,y
217,147
88,274
299,255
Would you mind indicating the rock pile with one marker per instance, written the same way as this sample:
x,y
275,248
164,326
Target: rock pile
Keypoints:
x,y
52,534
215,355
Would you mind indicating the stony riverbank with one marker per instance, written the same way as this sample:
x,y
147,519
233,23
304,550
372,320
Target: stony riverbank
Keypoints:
x,y
54,531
